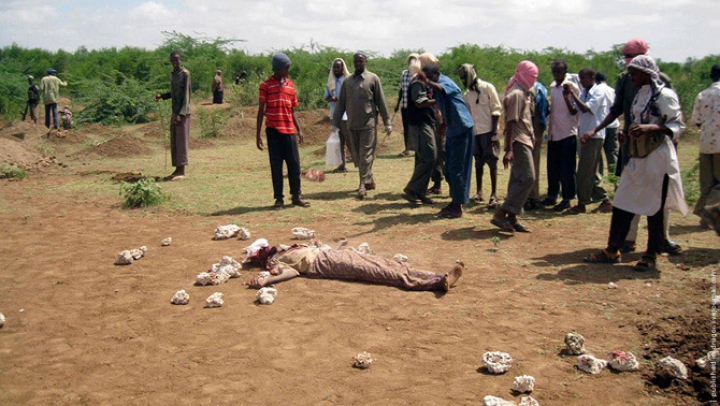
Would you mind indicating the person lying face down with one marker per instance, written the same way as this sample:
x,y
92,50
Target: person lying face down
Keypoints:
x,y
345,264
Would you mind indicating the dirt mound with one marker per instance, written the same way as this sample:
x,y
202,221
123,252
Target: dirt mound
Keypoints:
x,y
683,337
122,146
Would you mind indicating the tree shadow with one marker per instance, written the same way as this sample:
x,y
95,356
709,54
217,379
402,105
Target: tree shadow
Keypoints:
x,y
686,229
330,195
235,211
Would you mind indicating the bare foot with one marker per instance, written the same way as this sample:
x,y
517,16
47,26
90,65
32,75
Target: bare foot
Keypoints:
x,y
257,282
455,273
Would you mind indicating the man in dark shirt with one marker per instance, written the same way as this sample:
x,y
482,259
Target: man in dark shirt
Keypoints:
x,y
33,100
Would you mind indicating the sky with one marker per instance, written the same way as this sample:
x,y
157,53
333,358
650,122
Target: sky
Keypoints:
x,y
675,29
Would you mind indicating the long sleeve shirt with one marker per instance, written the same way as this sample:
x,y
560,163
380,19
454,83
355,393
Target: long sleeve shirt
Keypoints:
x,y
179,92
362,98
50,88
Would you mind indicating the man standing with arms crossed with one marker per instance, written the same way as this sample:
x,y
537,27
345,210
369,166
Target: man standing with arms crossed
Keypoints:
x,y
362,98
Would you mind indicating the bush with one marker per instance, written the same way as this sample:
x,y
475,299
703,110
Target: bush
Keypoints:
x,y
144,193
12,172
691,183
211,123
110,104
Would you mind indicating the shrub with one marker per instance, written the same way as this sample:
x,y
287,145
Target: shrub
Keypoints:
x,y
143,193
691,183
211,123
12,172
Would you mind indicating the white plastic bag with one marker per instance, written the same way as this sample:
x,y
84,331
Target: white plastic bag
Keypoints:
x,y
333,155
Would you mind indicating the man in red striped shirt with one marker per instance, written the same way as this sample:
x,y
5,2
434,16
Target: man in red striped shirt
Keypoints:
x,y
277,105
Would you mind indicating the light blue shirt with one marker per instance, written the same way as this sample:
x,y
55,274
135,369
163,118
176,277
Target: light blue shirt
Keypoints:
x,y
453,108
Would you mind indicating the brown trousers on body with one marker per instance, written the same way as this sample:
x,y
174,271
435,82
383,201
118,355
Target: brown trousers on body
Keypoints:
x,y
363,143
522,178
179,140
351,266
709,181
539,131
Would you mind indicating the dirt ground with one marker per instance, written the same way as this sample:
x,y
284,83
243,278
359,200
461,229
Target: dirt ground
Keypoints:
x,y
81,331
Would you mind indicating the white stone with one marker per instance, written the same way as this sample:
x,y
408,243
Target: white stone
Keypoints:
x,y
302,233
590,364
2,320
166,242
715,301
138,253
676,366
706,362
575,343
528,401
266,296
496,401
253,249
497,362
214,300
227,265
524,384
203,279
400,258
623,361
180,298
124,258
244,234
364,248
363,360
612,285
226,231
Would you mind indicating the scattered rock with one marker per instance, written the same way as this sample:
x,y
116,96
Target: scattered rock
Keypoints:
x,y
214,300
124,258
496,401
612,285
266,296
180,298
226,231
400,258
166,242
590,364
364,248
528,401
706,362
497,362
138,253
678,369
623,361
2,320
219,273
302,233
244,234
575,343
363,360
524,384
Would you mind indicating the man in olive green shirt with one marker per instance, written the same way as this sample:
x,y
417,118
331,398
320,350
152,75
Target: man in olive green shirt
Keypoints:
x,y
50,90
362,98
180,122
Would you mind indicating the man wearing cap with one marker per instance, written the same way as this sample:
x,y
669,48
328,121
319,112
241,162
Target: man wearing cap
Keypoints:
x,y
50,89
625,93
277,104
217,88
180,121
362,98
33,100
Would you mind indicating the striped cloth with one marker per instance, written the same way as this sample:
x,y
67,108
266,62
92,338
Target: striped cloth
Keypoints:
x,y
404,86
279,99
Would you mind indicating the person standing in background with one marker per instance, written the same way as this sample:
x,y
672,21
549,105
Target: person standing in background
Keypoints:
x,y
338,74
402,102
217,88
50,89
706,115
540,109
33,100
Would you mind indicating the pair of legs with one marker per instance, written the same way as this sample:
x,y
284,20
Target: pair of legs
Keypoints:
x,y
425,157
612,149
561,169
458,171
534,198
405,115
345,142
589,178
218,97
51,111
33,107
487,150
282,148
179,142
709,183
522,179
364,143
438,171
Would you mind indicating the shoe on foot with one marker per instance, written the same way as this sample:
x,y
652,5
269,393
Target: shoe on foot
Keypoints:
x,y
435,190
604,207
547,202
477,198
493,202
370,186
647,263
297,201
278,204
412,198
565,204
427,200
577,209
603,257
361,192
340,169
671,247
627,247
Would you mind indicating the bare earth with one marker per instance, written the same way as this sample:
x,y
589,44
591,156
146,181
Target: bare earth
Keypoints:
x,y
81,331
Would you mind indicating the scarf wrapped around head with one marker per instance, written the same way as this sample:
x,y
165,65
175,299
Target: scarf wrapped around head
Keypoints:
x,y
647,64
526,74
427,59
331,76
411,56
635,46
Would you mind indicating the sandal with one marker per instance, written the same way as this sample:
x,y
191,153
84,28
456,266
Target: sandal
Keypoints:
x,y
278,204
503,225
492,202
672,248
521,228
602,257
645,264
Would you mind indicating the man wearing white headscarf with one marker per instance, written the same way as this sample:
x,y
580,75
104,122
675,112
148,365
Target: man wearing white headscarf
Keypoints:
x,y
650,182
336,77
